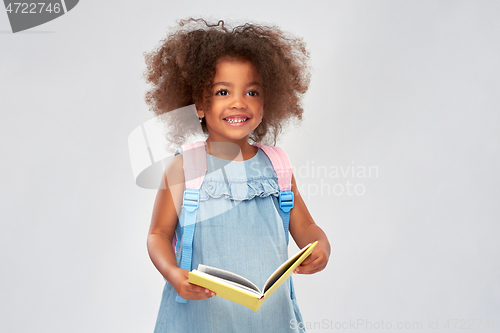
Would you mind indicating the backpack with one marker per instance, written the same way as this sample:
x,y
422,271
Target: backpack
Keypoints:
x,y
195,168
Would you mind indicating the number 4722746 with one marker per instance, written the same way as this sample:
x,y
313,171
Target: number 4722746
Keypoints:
x,y
31,8
470,324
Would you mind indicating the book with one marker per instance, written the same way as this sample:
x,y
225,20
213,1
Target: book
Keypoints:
x,y
236,288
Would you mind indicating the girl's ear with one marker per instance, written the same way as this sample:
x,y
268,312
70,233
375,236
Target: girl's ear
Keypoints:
x,y
200,112
199,108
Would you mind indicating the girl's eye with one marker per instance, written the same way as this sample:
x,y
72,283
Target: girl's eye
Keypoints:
x,y
222,92
253,93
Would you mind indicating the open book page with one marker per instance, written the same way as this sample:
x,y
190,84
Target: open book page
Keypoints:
x,y
284,268
242,291
228,276
230,283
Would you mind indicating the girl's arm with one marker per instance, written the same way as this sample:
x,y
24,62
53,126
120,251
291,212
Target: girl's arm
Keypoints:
x,y
304,231
161,232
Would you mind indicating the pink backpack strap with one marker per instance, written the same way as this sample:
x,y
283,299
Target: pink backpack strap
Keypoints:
x,y
194,164
281,165
283,169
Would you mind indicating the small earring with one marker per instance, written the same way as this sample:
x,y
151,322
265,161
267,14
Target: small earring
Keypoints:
x,y
200,119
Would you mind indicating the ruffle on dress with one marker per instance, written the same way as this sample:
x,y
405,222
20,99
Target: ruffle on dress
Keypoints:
x,y
236,185
247,190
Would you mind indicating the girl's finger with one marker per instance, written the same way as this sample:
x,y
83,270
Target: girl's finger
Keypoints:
x,y
197,295
202,291
308,260
310,268
209,293
197,289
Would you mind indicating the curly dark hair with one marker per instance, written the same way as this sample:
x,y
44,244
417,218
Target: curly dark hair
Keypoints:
x,y
182,67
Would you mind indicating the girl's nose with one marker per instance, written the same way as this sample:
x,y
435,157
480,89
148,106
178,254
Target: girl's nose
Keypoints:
x,y
238,102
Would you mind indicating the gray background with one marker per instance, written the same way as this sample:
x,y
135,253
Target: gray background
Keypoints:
x,y
408,87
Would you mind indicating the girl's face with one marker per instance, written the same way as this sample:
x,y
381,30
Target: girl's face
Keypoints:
x,y
237,103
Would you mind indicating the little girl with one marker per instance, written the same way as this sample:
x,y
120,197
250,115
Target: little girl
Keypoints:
x,y
246,83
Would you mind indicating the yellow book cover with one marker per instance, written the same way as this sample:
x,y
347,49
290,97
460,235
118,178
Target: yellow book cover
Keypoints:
x,y
236,288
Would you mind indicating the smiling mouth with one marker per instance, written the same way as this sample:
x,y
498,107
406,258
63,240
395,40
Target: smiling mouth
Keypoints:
x,y
236,120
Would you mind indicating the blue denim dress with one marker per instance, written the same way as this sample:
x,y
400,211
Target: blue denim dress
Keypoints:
x,y
239,229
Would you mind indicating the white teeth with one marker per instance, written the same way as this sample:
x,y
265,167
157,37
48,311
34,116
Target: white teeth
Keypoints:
x,y
236,121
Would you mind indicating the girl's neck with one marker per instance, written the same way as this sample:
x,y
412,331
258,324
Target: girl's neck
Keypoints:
x,y
239,150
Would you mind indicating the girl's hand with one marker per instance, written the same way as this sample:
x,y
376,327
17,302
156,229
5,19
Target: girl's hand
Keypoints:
x,y
188,290
316,261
